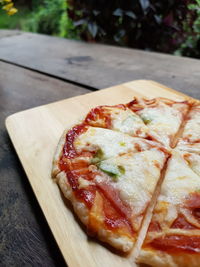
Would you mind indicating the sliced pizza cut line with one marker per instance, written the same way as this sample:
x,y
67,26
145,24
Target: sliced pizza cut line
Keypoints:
x,y
117,118
115,192
92,205
192,159
84,145
112,167
174,232
163,117
148,215
190,138
181,128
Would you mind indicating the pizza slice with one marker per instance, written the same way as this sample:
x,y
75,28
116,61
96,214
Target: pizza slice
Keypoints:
x,y
190,139
173,237
111,167
83,145
162,116
193,160
119,118
111,196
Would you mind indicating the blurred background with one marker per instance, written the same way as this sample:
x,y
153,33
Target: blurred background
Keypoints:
x,y
169,26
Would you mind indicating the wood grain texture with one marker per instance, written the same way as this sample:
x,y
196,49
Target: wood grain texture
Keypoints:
x,y
99,66
25,238
35,134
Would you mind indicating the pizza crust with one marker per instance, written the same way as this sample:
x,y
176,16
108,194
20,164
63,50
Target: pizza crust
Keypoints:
x,y
59,149
57,155
158,259
79,207
163,259
121,243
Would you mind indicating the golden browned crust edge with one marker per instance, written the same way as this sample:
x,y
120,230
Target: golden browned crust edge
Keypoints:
x,y
159,258
57,155
147,257
123,244
59,148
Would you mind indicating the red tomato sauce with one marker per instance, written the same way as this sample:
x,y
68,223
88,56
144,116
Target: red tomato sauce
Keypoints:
x,y
192,203
112,195
115,220
69,150
154,227
134,105
117,214
182,223
177,243
99,117
70,165
69,159
189,140
85,195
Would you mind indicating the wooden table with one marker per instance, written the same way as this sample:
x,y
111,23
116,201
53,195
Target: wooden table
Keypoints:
x,y
38,69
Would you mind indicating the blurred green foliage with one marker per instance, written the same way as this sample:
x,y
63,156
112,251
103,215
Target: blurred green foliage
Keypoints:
x,y
51,17
13,22
170,26
191,46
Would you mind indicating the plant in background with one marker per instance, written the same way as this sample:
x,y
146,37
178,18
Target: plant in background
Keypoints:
x,y
145,24
170,26
8,6
51,17
191,45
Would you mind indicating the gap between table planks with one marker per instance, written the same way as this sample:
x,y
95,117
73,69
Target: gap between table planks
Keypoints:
x,y
35,134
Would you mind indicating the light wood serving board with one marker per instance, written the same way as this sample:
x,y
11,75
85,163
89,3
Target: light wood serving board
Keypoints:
x,y
35,134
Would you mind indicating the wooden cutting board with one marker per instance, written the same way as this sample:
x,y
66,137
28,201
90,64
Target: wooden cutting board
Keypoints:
x,y
35,134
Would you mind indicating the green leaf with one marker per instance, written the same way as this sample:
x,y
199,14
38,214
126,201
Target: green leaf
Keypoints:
x,y
144,4
93,28
131,14
79,22
118,12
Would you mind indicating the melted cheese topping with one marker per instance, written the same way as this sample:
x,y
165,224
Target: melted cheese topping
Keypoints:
x,y
137,182
190,140
110,142
192,127
83,183
189,147
193,161
179,181
163,121
127,121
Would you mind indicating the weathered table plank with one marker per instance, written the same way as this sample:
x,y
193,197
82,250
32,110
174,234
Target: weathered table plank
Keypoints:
x,y
8,33
25,238
24,235
97,65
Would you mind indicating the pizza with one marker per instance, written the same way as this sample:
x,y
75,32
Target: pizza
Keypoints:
x,y
173,237
132,174
190,139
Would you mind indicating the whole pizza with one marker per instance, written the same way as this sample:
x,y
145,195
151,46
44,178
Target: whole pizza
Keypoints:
x,y
132,174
